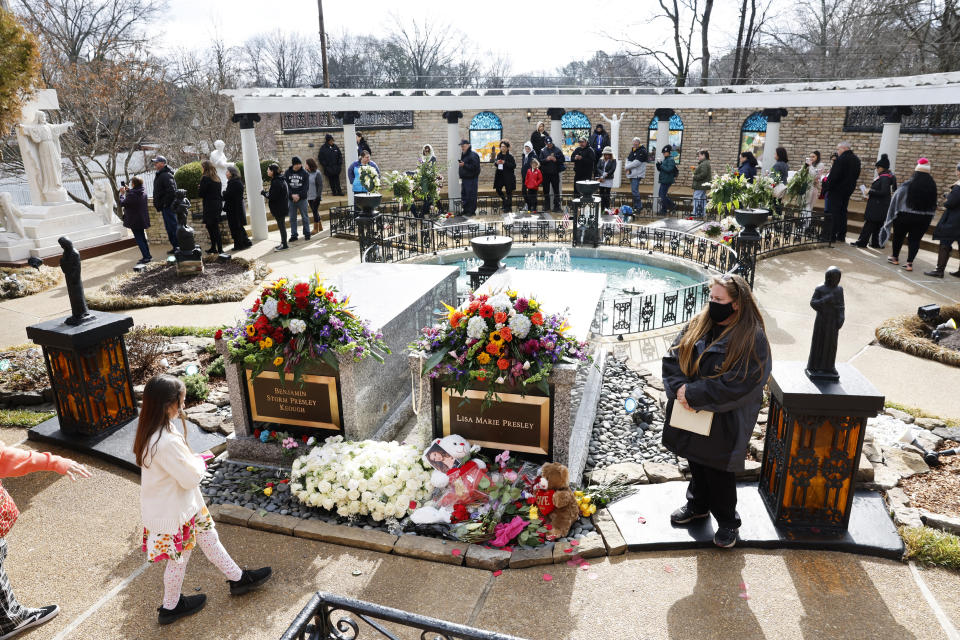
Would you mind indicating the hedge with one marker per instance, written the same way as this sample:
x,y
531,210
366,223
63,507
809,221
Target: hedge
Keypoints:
x,y
188,178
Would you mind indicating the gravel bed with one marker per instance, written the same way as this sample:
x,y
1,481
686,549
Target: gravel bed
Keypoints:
x,y
616,437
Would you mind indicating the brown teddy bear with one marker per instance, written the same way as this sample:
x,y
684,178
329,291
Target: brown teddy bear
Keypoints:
x,y
555,501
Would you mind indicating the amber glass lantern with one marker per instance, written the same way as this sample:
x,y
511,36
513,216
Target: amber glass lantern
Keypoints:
x,y
89,373
814,438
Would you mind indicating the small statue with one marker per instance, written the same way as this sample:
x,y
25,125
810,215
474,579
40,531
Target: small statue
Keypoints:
x,y
103,203
70,265
186,242
10,215
828,301
219,160
42,157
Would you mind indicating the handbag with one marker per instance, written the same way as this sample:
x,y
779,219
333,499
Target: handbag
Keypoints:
x,y
8,512
779,190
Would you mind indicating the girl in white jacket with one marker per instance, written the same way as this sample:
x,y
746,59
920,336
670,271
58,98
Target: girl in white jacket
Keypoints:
x,y
175,518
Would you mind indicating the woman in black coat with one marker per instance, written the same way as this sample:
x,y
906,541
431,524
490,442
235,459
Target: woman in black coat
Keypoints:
x,y
136,216
878,201
211,195
947,230
277,202
719,363
233,206
504,178
538,138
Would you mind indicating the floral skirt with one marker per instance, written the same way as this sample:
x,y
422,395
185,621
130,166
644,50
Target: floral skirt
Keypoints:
x,y
167,546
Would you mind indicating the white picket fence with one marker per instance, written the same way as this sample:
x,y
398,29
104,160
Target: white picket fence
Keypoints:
x,y
20,190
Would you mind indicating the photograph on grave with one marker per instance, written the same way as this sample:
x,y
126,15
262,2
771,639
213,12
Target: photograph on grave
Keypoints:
x,y
521,423
312,404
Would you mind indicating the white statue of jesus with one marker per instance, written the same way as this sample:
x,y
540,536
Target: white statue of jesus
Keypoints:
x,y
219,160
104,203
614,123
42,158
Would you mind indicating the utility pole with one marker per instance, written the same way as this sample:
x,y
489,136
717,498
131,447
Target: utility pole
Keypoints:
x,y
323,46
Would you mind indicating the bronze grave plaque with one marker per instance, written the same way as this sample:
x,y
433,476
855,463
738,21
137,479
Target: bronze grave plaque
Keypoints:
x,y
314,405
518,423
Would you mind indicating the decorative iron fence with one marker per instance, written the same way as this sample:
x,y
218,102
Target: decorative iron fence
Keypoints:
x,y
332,617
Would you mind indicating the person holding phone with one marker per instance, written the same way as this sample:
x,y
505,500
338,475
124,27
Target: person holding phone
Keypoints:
x,y
136,215
720,363
175,518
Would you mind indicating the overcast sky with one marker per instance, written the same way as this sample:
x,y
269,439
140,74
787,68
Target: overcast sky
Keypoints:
x,y
521,25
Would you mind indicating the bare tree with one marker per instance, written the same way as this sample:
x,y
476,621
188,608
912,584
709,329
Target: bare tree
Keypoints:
x,y
705,43
277,59
751,23
674,55
423,52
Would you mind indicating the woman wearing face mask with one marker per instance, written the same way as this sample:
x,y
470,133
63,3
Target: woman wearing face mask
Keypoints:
x,y
719,363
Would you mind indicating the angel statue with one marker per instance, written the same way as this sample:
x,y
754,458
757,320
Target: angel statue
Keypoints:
x,y
10,215
43,156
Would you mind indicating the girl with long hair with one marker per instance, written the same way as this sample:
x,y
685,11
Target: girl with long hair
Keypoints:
x,y
211,194
175,518
910,213
719,363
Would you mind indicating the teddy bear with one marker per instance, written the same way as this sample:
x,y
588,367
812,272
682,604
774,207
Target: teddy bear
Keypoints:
x,y
555,502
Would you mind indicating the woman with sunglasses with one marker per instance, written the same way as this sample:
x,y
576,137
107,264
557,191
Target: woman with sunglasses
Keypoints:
x,y
719,363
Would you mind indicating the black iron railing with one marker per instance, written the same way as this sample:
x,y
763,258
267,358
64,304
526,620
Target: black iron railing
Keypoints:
x,y
332,617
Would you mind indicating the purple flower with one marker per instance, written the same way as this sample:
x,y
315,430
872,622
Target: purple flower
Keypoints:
x,y
325,332
336,323
521,305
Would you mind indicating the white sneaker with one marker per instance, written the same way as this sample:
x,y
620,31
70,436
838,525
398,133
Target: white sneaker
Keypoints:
x,y
35,619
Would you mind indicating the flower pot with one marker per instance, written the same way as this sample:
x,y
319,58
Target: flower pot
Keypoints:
x,y
587,187
491,249
749,219
367,202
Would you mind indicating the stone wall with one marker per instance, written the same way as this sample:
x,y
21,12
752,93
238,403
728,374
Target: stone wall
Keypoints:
x,y
801,131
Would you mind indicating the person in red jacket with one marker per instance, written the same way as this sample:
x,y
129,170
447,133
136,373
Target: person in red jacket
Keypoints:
x,y
14,462
532,182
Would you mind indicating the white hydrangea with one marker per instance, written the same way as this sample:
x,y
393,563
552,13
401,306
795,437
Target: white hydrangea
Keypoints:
x,y
270,308
476,327
297,326
520,325
500,302
379,479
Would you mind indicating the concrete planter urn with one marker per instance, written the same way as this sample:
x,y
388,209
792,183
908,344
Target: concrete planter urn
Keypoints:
x,y
367,202
750,219
491,249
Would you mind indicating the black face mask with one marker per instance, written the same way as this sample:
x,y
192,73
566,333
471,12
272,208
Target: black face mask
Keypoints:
x,y
719,311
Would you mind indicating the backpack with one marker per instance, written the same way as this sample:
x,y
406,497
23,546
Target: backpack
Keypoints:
x,y
642,154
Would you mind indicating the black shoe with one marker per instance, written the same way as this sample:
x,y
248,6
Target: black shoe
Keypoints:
x,y
172,251
936,273
294,238
875,246
306,238
857,244
249,580
186,606
685,514
35,619
144,260
955,274
281,247
725,538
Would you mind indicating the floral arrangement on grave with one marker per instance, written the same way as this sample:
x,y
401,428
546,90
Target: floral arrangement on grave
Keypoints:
x,y
402,186
799,186
731,191
292,326
369,179
427,181
367,478
503,342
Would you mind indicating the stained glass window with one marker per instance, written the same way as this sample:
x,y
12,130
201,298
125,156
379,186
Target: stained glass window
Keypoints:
x,y
753,134
575,124
676,137
486,131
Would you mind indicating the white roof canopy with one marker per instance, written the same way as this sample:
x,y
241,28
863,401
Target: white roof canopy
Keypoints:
x,y
934,88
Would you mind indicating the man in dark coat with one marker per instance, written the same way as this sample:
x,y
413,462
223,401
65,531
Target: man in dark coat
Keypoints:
x,y
164,195
297,177
469,178
331,159
551,165
584,162
598,141
233,206
839,186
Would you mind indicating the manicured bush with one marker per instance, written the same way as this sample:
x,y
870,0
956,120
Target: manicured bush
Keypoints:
x,y
217,368
188,178
197,388
263,169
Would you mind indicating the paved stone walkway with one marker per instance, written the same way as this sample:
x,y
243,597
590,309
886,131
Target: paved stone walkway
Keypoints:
x,y
76,545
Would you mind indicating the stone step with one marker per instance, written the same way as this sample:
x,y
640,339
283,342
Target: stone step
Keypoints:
x,y
84,239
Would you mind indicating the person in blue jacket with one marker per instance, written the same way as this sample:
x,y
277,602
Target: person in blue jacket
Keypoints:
x,y
353,172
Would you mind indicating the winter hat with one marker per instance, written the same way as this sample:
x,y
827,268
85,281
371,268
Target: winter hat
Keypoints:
x,y
883,162
548,140
527,145
328,137
464,141
667,149
607,150
636,139
296,160
923,165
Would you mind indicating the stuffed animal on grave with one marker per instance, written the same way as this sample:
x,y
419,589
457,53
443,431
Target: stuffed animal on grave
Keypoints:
x,y
450,457
431,515
555,501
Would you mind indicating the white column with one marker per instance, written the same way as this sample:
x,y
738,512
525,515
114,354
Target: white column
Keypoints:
x,y
889,139
349,152
663,138
770,143
556,132
251,174
453,153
